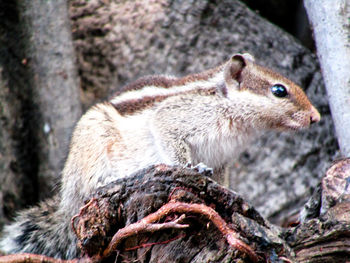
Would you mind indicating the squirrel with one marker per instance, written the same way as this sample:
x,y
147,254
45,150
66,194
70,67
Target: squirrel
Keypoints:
x,y
209,118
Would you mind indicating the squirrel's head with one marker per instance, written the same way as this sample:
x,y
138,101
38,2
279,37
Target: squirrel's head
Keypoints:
x,y
278,103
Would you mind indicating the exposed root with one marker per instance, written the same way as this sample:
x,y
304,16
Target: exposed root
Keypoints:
x,y
32,258
147,225
144,225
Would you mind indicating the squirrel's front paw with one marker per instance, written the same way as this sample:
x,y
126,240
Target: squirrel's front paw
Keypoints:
x,y
200,168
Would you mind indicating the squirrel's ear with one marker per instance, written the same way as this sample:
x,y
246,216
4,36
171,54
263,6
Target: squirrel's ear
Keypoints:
x,y
235,66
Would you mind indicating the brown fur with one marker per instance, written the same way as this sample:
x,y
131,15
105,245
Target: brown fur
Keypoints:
x,y
135,105
257,82
168,82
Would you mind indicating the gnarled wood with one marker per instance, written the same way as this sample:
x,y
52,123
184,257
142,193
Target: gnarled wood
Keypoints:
x,y
142,218
218,222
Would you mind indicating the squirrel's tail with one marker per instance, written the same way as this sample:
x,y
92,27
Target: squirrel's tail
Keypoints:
x,y
42,229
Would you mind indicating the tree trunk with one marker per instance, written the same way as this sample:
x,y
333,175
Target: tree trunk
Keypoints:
x,y
331,25
11,193
18,161
55,83
39,101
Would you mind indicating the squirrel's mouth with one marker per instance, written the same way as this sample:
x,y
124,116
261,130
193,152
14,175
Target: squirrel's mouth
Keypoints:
x,y
299,121
296,127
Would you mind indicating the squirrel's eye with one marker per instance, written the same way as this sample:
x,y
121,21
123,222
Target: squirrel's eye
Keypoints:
x,y
279,90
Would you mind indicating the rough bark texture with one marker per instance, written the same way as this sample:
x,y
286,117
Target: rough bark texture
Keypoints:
x,y
18,162
322,236
10,190
124,202
172,214
39,101
331,25
51,59
117,42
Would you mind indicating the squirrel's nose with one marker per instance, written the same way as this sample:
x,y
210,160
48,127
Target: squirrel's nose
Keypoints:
x,y
314,116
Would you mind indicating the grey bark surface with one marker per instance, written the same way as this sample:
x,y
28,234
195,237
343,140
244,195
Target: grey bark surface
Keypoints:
x,y
55,83
331,26
10,191
117,42
39,100
18,161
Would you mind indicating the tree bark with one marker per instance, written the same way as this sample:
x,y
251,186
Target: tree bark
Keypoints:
x,y
331,26
174,214
18,162
39,100
10,191
55,83
129,205
322,236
